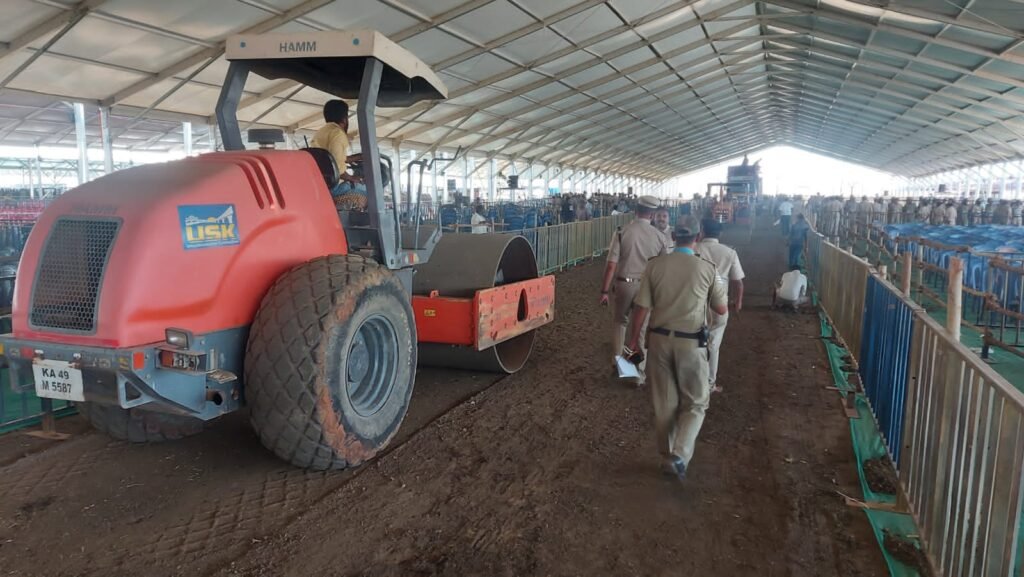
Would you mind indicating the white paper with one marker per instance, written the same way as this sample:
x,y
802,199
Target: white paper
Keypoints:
x,y
627,370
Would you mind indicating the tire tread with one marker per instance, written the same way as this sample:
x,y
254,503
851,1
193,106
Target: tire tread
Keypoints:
x,y
282,356
139,425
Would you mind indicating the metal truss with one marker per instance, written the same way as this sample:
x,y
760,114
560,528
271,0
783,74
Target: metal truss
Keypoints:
x,y
651,95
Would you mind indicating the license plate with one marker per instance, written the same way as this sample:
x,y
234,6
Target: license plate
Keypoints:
x,y
58,380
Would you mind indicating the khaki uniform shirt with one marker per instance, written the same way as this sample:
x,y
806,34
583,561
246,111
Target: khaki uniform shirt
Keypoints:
x,y
727,265
634,245
333,138
668,236
725,259
677,289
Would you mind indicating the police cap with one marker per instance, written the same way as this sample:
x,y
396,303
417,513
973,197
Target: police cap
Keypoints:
x,y
649,202
687,226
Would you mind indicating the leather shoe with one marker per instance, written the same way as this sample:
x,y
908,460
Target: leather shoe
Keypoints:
x,y
675,467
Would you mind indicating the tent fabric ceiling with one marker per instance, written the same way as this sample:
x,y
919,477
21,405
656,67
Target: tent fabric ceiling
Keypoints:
x,y
650,88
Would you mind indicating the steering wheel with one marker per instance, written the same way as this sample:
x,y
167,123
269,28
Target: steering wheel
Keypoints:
x,y
358,172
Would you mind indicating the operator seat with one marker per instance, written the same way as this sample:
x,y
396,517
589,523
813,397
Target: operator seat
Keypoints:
x,y
327,165
332,174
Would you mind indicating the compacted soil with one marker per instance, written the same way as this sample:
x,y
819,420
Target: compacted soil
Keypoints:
x,y
551,471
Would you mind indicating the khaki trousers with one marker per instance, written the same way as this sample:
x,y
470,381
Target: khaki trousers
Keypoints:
x,y
715,335
623,294
677,371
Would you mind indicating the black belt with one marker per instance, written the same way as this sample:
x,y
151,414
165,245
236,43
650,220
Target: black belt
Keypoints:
x,y
676,334
626,279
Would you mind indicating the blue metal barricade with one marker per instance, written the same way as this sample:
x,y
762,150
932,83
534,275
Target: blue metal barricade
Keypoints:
x,y
885,358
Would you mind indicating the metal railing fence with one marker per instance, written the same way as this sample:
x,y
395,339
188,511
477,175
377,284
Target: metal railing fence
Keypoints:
x,y
841,284
953,427
993,282
563,245
961,462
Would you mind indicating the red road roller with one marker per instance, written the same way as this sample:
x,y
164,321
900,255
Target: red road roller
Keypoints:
x,y
163,296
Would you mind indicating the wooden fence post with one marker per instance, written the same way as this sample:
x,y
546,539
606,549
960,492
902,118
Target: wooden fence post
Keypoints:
x,y
954,302
907,271
919,281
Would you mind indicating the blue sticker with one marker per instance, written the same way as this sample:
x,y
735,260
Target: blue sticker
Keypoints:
x,y
208,225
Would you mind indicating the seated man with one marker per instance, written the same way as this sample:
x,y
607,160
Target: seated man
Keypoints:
x,y
333,136
479,220
791,291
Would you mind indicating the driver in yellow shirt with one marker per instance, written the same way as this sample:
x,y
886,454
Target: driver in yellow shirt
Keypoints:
x,y
333,137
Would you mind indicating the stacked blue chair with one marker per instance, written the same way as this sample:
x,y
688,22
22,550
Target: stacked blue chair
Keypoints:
x,y
450,216
530,218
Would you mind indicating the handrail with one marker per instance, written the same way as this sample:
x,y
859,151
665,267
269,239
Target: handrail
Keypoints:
x,y
1000,263
992,288
977,364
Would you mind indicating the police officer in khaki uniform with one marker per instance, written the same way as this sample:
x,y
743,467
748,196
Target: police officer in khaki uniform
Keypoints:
x,y
631,248
660,221
727,265
677,291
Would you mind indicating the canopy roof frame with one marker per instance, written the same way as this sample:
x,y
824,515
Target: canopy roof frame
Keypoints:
x,y
641,87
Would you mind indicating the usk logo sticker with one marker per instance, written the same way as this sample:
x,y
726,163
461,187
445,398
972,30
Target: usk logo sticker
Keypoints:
x,y
208,225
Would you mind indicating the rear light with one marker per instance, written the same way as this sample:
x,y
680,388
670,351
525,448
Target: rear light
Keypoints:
x,y
27,352
138,360
178,338
183,361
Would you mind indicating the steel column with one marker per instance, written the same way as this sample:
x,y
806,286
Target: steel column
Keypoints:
x,y
39,171
529,177
490,179
186,137
108,152
80,143
397,148
438,194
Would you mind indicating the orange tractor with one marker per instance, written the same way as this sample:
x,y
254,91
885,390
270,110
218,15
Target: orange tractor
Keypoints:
x,y
163,296
737,197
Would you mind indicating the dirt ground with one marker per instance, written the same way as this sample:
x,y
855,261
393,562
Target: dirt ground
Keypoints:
x,y
552,471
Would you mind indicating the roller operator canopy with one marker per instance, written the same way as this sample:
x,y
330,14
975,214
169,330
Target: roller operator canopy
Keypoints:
x,y
650,88
332,62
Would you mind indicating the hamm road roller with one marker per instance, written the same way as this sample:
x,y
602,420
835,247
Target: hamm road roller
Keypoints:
x,y
163,296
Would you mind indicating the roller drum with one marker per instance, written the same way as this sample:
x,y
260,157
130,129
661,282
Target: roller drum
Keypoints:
x,y
462,264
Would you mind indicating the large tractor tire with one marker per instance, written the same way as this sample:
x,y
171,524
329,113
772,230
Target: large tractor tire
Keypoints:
x,y
139,425
330,363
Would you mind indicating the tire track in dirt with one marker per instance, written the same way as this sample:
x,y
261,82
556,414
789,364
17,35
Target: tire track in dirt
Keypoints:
x,y
174,508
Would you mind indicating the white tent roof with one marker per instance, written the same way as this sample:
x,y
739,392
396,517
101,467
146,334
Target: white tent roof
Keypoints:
x,y
644,87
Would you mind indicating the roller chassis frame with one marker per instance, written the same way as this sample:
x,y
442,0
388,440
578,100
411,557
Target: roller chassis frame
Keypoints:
x,y
111,376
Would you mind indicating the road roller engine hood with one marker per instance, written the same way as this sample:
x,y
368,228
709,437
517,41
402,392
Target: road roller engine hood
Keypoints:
x,y
193,243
